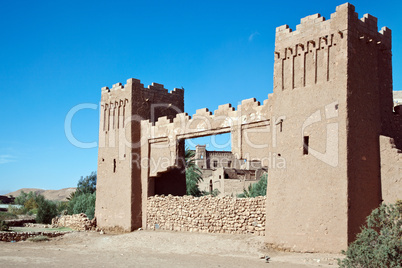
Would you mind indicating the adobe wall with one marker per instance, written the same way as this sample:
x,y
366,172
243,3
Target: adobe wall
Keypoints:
x,y
207,214
228,186
204,159
237,186
391,170
217,177
369,90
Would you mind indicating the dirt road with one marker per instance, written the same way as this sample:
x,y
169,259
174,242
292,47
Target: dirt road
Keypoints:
x,y
154,249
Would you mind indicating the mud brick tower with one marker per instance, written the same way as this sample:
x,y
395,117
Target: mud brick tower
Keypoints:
x,y
333,83
118,194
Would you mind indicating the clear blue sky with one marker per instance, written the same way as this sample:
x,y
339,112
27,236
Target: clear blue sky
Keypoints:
x,y
58,54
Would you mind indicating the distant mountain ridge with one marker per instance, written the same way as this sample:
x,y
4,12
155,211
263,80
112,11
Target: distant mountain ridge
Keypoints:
x,y
54,195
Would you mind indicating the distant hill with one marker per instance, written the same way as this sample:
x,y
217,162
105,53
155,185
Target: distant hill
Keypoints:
x,y
55,195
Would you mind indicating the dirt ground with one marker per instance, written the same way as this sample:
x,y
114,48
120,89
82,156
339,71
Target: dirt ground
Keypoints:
x,y
154,249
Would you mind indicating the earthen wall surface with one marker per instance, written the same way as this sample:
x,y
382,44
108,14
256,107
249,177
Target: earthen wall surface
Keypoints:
x,y
391,170
119,175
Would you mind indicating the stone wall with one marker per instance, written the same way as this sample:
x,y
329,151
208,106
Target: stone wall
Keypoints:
x,y
79,222
207,214
19,222
21,236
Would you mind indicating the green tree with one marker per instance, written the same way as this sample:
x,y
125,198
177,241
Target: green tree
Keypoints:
x,y
47,210
21,199
83,203
29,201
256,189
83,199
3,226
379,244
87,184
193,174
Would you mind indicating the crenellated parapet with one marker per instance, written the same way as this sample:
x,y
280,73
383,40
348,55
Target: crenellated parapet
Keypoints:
x,y
308,55
345,18
146,102
136,83
226,116
249,117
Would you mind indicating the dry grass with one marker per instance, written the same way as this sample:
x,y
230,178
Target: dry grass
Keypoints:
x,y
39,238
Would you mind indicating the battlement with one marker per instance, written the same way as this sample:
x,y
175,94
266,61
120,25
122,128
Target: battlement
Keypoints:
x,y
249,109
154,87
338,22
311,54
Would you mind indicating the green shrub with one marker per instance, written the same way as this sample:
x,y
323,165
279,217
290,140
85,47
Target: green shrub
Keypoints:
x,y
62,206
3,226
47,210
17,211
7,216
87,185
379,244
82,203
29,201
38,238
256,189
214,193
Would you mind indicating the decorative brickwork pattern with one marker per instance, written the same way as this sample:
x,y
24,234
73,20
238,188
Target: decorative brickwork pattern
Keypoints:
x,y
207,214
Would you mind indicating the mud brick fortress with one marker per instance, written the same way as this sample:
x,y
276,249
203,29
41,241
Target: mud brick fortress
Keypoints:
x,y
329,135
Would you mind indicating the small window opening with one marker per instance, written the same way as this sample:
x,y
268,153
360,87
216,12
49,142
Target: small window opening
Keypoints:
x,y
114,165
229,163
215,163
305,144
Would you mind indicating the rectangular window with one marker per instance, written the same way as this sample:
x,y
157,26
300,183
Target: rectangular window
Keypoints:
x,y
229,163
215,163
305,144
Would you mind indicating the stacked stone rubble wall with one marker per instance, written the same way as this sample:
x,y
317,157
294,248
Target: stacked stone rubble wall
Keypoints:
x,y
207,214
79,222
22,236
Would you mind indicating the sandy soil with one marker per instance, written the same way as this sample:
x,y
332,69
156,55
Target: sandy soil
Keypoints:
x,y
154,249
